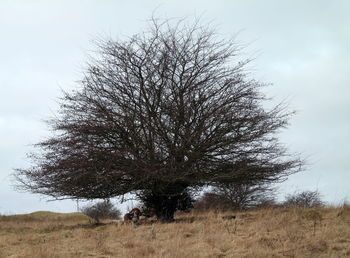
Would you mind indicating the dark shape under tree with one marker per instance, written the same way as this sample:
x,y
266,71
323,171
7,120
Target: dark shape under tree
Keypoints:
x,y
160,204
165,111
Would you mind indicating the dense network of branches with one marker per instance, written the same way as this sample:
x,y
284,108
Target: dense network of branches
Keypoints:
x,y
306,199
162,111
101,210
244,196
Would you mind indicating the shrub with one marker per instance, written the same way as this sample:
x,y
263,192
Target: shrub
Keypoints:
x,y
101,210
236,196
212,201
306,199
243,196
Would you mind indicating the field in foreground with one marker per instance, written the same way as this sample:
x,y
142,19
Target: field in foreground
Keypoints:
x,y
279,232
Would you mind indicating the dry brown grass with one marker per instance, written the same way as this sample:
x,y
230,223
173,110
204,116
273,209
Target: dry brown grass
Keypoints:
x,y
279,232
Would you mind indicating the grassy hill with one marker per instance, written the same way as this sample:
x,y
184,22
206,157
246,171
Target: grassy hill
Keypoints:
x,y
275,232
45,216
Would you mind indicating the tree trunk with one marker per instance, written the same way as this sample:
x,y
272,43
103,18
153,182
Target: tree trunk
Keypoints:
x,y
165,208
166,200
165,215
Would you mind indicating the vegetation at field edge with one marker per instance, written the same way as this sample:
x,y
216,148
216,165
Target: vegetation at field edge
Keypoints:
x,y
272,232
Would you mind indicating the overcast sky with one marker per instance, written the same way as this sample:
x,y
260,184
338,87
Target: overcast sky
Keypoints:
x,y
301,47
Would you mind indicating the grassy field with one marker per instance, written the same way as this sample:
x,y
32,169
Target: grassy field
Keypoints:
x,y
278,232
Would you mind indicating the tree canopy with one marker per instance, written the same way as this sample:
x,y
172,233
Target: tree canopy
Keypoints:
x,y
158,113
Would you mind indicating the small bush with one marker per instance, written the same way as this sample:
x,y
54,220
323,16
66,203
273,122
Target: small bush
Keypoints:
x,y
305,199
212,201
236,198
268,202
101,210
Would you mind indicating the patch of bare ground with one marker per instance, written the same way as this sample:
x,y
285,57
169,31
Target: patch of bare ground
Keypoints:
x,y
275,232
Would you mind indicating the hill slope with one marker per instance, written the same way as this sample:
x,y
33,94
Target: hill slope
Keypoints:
x,y
279,232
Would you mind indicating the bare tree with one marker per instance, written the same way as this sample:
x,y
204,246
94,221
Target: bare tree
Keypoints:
x,y
101,210
212,201
244,196
161,112
235,196
306,199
